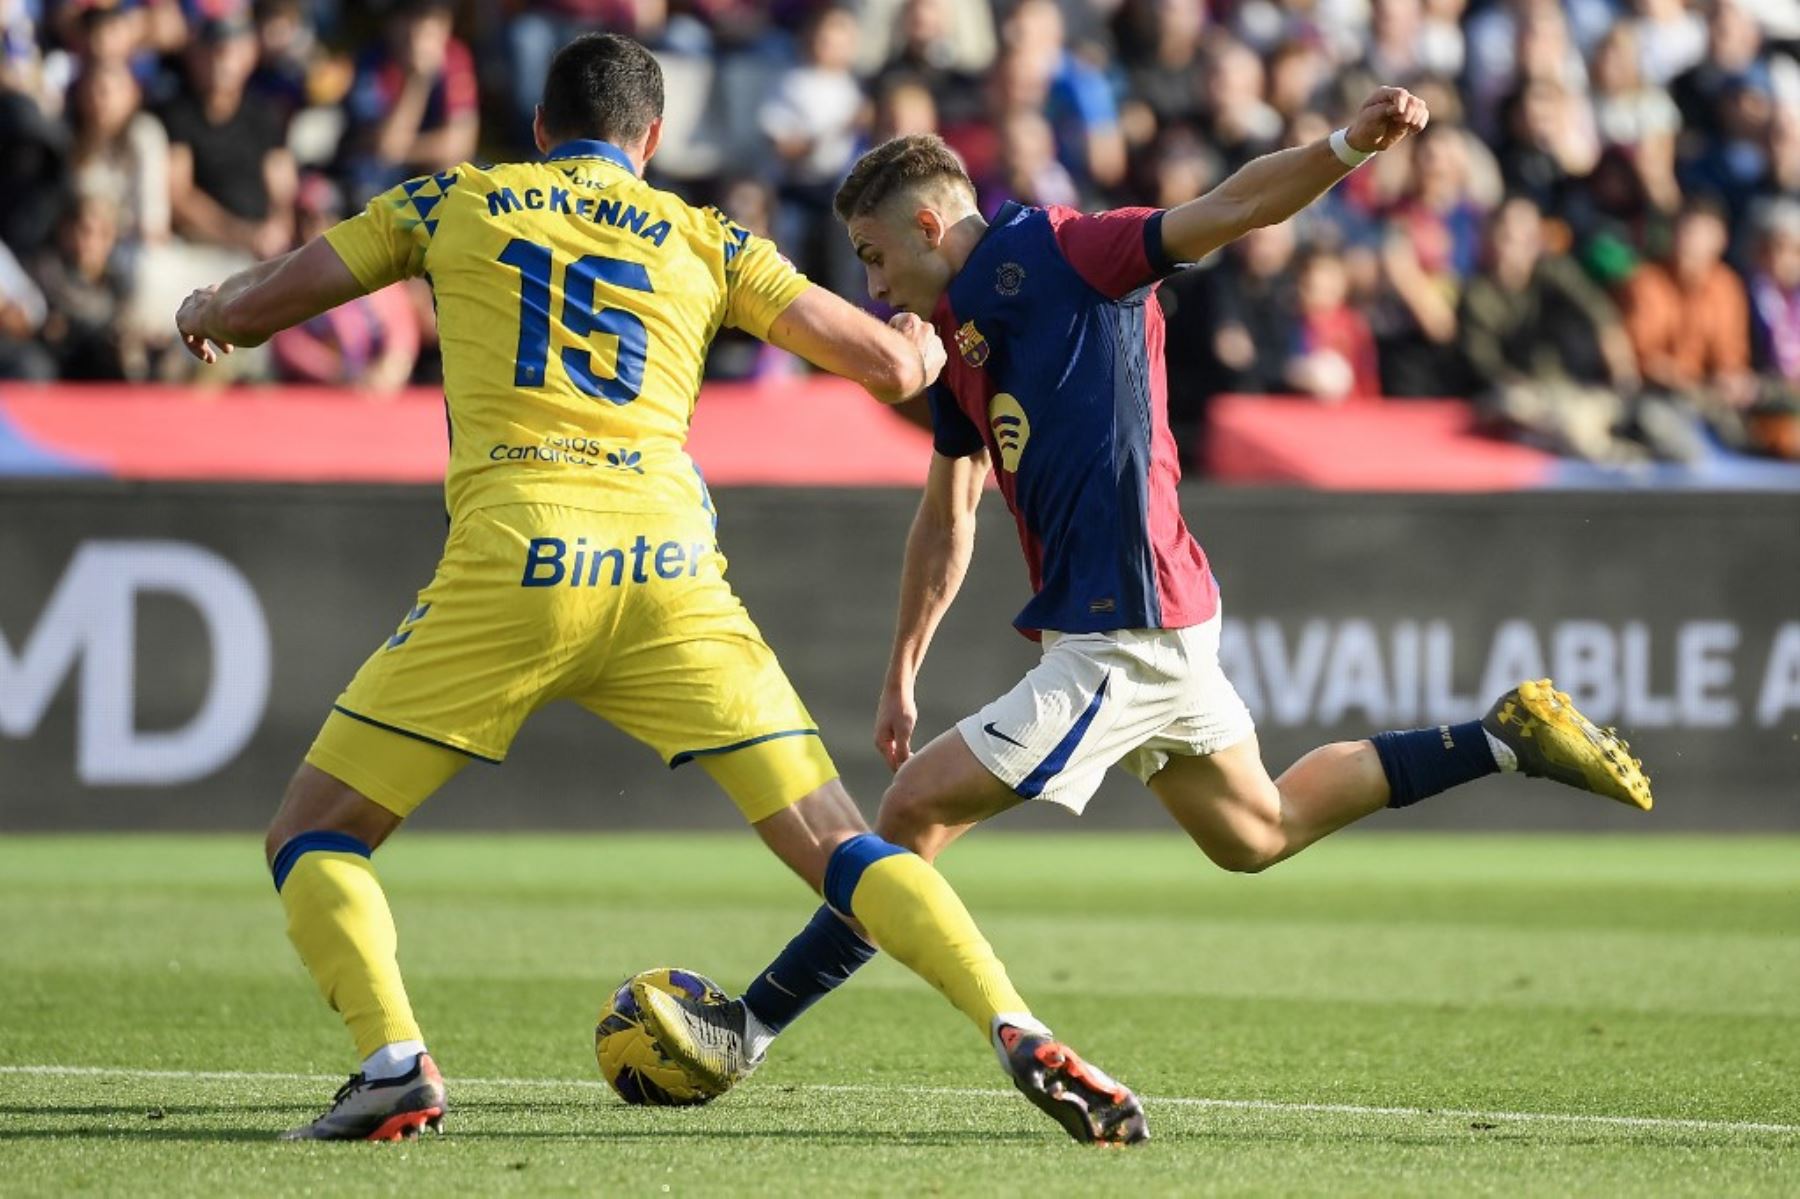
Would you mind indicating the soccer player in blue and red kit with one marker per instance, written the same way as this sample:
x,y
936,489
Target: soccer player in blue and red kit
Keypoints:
x,y
1056,381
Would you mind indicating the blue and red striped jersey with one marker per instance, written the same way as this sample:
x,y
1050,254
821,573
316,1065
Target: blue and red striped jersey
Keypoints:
x,y
1056,368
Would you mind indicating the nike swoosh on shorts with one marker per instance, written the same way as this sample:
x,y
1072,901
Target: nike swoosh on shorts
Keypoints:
x,y
991,731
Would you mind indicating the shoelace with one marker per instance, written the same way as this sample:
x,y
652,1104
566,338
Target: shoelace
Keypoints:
x,y
344,1092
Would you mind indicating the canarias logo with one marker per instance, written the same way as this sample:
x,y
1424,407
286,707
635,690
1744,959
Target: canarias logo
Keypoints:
x,y
1012,429
971,344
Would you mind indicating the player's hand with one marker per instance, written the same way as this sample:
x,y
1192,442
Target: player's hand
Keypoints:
x,y
190,320
895,720
925,339
1386,118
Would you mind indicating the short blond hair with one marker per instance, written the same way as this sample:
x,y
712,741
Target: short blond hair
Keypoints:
x,y
916,161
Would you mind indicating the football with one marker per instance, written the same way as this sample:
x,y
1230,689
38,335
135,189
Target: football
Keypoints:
x,y
630,1058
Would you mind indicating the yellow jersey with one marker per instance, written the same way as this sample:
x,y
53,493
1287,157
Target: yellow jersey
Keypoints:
x,y
575,306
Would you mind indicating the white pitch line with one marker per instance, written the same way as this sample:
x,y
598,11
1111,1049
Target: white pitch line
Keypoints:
x,y
1244,1105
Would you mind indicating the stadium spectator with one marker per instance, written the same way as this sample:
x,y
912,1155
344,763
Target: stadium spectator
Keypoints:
x,y
34,180
1549,141
1547,344
1775,293
86,293
1628,108
811,118
120,151
1298,75
1239,122
1160,49
903,105
1512,42
736,355
1079,99
231,178
1180,167
130,31
1734,53
371,342
938,45
1432,244
1333,356
1245,312
533,30
287,50
1688,316
412,109
812,121
1409,39
1028,170
22,314
1671,39
1781,175
1340,26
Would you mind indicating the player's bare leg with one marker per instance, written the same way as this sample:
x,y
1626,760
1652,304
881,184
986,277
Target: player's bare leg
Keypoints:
x,y
939,794
912,913
1245,821
317,848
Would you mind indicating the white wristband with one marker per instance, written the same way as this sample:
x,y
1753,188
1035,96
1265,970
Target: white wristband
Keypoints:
x,y
1347,154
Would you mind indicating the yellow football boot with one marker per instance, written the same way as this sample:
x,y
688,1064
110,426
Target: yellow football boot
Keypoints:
x,y
1552,740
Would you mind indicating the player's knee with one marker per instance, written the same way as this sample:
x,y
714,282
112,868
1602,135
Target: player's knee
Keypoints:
x,y
1250,854
911,816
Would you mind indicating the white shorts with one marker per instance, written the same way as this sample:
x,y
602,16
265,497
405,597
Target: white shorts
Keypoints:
x,y
1136,697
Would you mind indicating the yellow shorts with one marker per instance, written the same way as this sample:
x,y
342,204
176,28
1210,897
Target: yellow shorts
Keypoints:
x,y
627,614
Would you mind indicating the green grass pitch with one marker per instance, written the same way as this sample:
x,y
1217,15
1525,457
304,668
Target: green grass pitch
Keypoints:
x,y
1385,1015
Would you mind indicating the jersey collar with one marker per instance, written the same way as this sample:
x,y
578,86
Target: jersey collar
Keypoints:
x,y
592,148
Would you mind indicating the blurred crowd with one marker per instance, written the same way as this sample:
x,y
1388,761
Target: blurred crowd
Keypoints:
x,y
1597,241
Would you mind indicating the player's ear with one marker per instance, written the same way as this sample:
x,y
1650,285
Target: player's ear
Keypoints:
x,y
930,224
653,138
538,133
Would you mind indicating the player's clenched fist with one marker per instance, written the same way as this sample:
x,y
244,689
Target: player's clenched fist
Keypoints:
x,y
925,338
1386,118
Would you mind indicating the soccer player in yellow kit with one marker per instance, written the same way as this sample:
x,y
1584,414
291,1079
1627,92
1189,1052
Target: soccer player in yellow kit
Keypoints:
x,y
575,307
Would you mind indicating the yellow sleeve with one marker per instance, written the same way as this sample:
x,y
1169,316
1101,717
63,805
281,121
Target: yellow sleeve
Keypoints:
x,y
759,282
385,242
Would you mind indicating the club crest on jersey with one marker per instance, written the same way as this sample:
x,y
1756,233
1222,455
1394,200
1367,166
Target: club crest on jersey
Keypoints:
x,y
971,344
1012,429
1009,278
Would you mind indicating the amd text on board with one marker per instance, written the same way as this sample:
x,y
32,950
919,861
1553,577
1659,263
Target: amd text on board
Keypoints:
x,y
1411,672
91,617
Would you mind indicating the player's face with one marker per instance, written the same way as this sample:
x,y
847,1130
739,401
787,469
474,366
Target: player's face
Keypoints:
x,y
900,249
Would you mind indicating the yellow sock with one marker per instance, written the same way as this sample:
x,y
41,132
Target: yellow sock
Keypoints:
x,y
338,919
914,915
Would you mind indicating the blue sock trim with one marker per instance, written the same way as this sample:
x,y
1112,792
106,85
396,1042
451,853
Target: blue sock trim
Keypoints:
x,y
820,958
848,861
1419,763
315,842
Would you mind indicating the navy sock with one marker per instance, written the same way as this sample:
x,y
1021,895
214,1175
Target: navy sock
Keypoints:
x,y
1422,762
824,954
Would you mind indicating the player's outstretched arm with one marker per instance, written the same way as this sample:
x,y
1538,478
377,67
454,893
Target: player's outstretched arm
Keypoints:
x,y
837,336
259,302
1270,189
937,557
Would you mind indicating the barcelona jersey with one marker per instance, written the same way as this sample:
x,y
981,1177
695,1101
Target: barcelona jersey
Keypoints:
x,y
575,306
1055,367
